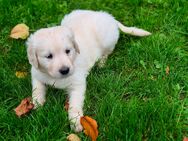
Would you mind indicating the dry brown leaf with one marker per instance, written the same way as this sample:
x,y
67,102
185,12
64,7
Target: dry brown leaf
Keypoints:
x,y
66,106
167,70
20,31
90,127
73,137
185,139
24,107
21,74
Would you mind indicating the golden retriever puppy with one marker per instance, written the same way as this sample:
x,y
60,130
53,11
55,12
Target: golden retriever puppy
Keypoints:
x,y
63,55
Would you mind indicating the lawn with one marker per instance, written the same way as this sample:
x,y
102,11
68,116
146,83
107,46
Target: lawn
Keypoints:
x,y
132,97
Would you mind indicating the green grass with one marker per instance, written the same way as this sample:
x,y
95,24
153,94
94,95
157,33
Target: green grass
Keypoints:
x,y
131,98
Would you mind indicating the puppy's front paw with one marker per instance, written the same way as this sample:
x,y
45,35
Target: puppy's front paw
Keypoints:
x,y
74,117
38,102
76,125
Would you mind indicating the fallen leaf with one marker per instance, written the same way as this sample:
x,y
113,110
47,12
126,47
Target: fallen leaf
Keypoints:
x,y
185,139
73,137
66,106
24,107
20,31
167,70
90,127
21,74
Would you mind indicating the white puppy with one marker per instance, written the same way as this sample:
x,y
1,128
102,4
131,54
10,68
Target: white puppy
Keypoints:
x,y
63,55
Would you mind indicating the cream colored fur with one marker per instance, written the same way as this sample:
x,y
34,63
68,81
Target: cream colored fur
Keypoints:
x,y
89,36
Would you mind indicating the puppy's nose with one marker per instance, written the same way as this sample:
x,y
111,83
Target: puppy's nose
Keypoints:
x,y
64,70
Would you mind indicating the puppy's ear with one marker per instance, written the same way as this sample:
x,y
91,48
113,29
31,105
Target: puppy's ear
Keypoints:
x,y
72,38
31,53
76,46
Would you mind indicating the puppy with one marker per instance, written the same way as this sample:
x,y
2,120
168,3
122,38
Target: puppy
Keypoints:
x,y
63,55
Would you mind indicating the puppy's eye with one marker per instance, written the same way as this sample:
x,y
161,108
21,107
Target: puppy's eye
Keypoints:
x,y
50,56
67,51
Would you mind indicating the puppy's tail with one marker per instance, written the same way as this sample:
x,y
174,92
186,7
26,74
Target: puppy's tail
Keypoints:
x,y
133,30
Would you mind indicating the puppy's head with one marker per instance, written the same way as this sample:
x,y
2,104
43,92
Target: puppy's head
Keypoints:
x,y
53,51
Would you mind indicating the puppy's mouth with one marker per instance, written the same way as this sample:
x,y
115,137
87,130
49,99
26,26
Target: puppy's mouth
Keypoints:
x,y
65,76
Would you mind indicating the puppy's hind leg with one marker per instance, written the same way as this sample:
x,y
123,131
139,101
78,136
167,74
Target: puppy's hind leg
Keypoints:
x,y
104,58
102,61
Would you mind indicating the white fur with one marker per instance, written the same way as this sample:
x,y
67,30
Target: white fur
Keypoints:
x,y
133,30
90,36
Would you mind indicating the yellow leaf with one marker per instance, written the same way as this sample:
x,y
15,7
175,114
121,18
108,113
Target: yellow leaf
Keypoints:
x,y
20,74
90,127
167,70
73,137
20,31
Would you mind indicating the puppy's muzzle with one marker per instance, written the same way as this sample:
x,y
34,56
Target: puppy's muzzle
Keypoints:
x,y
64,70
